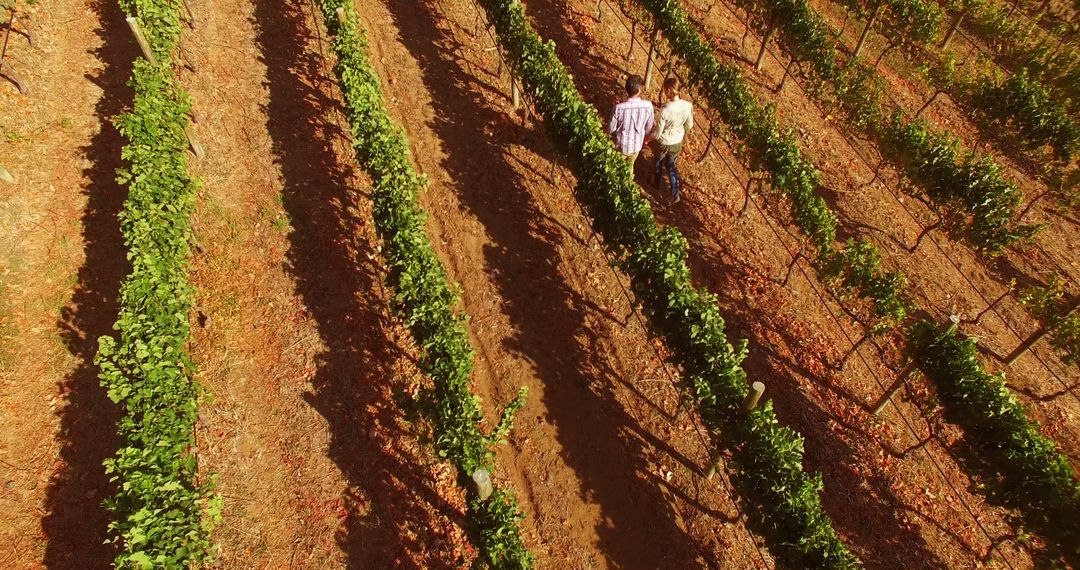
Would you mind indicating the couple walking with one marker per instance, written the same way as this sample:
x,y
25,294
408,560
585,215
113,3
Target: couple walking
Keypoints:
x,y
633,126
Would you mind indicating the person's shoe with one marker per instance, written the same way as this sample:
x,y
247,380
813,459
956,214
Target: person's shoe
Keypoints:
x,y
677,199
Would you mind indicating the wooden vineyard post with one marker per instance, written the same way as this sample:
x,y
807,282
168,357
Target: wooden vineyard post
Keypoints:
x,y
1037,335
952,30
515,92
196,147
759,61
482,479
141,39
866,30
901,378
599,10
954,322
650,63
753,397
633,36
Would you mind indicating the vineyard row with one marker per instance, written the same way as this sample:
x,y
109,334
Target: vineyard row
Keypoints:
x,y
990,413
162,512
424,299
767,457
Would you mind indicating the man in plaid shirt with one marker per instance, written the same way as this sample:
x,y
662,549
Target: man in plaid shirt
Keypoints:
x,y
632,120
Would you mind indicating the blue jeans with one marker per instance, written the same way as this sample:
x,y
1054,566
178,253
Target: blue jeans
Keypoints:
x,y
665,158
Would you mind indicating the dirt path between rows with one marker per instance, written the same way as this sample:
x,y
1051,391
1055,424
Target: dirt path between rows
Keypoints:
x,y
946,277
61,263
314,460
608,478
883,481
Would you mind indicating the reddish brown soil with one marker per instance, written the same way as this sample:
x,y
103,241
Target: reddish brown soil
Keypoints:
x,y
61,266
305,367
590,49
314,460
606,476
946,277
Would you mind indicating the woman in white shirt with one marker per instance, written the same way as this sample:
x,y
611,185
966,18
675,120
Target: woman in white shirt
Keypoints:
x,y
676,118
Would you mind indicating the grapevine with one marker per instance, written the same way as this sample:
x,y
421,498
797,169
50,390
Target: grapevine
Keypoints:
x,y
424,297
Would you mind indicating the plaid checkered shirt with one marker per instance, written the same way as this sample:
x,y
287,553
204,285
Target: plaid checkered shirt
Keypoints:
x,y
630,122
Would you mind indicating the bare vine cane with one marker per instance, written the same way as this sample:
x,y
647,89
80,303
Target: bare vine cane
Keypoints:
x,y
10,75
7,38
190,14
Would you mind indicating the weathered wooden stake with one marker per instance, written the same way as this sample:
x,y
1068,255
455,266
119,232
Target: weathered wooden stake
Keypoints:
x,y
633,36
599,10
196,148
141,39
954,323
515,93
751,402
952,30
753,396
340,15
1037,336
893,389
482,479
866,30
714,464
759,62
652,57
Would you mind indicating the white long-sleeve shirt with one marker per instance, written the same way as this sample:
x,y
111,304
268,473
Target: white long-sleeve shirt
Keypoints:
x,y
676,117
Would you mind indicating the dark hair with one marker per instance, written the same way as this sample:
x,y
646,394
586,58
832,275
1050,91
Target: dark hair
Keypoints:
x,y
671,83
634,83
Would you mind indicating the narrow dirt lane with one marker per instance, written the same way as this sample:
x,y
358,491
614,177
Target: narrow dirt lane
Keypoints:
x,y
879,476
609,479
302,361
61,263
946,276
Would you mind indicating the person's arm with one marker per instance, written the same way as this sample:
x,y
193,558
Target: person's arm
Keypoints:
x,y
660,125
613,124
650,124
